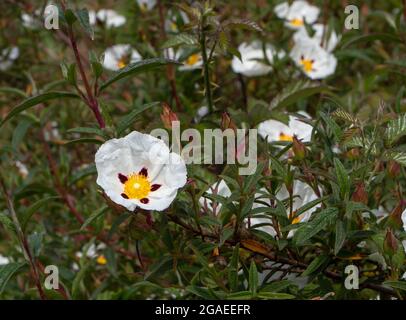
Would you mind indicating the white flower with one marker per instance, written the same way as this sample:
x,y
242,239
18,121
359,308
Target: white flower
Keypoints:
x,y
146,5
119,56
313,60
4,260
140,171
7,57
404,219
251,54
320,31
193,61
273,130
302,194
201,113
107,16
22,169
297,13
219,188
174,19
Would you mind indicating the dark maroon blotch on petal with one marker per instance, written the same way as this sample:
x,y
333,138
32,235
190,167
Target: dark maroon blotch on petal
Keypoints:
x,y
144,200
155,187
123,179
124,196
144,172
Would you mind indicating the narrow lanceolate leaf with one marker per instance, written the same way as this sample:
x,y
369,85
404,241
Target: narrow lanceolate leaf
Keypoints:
x,y
33,101
342,178
344,115
400,285
340,236
310,229
83,17
242,24
7,271
35,207
315,265
136,68
296,92
275,296
253,278
94,216
83,140
90,130
6,221
396,129
233,269
179,39
371,37
129,119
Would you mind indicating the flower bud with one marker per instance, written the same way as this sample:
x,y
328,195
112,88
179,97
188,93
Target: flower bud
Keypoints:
x,y
390,244
393,169
353,154
168,116
299,149
395,217
360,194
227,122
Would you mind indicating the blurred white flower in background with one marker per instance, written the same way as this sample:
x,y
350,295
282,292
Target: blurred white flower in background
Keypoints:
x,y
109,17
146,5
4,260
174,20
140,171
219,188
273,130
251,56
8,56
327,39
201,113
313,60
297,13
22,169
119,56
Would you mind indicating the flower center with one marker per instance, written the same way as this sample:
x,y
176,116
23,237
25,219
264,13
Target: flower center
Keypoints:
x,y
296,219
121,63
307,64
285,137
174,26
193,59
137,187
297,22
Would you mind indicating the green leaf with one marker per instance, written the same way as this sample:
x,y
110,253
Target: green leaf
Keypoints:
x,y
371,37
233,268
7,271
310,205
315,265
129,119
400,285
275,296
201,292
83,17
33,101
296,92
35,243
179,39
340,236
94,216
399,157
321,220
242,295
242,24
342,178
83,140
253,278
15,91
34,208
136,68
90,130
396,129
77,282
6,221
20,132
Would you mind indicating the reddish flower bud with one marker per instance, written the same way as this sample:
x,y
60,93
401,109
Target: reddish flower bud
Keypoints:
x,y
360,195
393,169
390,244
395,218
227,123
168,116
299,149
353,154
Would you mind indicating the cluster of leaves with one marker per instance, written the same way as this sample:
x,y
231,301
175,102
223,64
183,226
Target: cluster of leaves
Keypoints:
x,y
56,210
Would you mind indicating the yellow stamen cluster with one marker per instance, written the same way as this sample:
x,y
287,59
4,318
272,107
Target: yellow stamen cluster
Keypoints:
x,y
285,137
101,260
137,187
193,59
307,64
296,22
121,63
